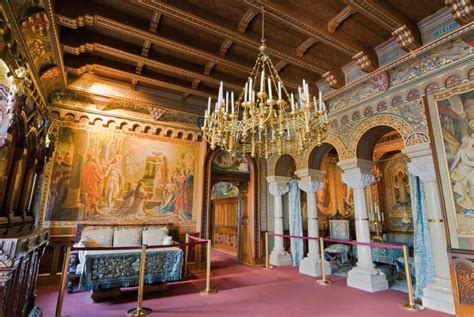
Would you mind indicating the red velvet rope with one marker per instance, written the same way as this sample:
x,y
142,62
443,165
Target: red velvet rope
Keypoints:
x,y
351,242
203,241
272,234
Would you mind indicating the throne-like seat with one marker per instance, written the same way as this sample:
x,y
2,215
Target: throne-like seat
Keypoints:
x,y
338,253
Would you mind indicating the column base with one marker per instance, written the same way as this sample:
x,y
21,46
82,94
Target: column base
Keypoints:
x,y
438,295
367,279
312,266
280,258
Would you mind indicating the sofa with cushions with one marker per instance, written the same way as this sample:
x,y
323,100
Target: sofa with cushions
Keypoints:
x,y
109,270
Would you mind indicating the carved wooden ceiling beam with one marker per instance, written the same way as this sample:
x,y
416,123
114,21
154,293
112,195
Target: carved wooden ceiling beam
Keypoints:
x,y
345,13
280,65
461,10
97,20
196,83
96,68
116,53
317,66
405,31
367,60
335,79
303,47
340,42
225,47
246,19
155,19
209,67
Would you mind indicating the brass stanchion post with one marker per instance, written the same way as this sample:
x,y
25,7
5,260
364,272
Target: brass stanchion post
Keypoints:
x,y
63,282
411,305
186,254
323,281
267,256
208,289
139,310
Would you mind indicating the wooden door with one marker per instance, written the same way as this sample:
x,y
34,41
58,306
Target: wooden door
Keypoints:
x,y
225,222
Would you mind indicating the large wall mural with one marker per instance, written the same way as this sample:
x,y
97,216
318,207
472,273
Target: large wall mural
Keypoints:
x,y
455,149
107,175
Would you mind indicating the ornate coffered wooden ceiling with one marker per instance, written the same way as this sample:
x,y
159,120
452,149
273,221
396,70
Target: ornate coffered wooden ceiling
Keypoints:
x,y
184,48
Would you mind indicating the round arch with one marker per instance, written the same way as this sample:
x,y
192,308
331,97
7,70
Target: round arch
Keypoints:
x,y
285,166
390,121
331,140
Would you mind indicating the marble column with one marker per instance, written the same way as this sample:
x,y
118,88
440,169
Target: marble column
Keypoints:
x,y
357,174
438,294
278,186
310,182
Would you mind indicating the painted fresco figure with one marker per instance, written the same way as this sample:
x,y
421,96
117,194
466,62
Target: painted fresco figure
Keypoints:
x,y
400,185
91,179
137,206
462,175
169,200
113,182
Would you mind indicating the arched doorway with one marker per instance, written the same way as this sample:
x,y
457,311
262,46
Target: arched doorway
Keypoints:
x,y
335,198
230,217
388,199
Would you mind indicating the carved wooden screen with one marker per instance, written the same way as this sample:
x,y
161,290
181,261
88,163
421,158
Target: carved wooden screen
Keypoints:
x,y
224,227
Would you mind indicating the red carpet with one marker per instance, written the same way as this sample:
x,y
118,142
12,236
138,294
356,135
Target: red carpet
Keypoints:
x,y
243,291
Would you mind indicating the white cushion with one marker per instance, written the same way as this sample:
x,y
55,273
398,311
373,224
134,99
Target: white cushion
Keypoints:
x,y
167,240
97,237
153,237
157,228
127,237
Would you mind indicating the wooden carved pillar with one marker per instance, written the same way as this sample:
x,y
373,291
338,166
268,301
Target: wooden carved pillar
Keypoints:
x,y
243,225
27,186
15,181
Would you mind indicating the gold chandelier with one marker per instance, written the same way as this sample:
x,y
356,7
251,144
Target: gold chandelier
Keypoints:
x,y
271,121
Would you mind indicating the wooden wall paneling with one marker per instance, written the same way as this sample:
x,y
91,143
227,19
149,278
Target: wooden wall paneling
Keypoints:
x,y
462,272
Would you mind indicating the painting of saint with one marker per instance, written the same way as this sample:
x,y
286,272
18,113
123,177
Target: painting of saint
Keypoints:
x,y
106,175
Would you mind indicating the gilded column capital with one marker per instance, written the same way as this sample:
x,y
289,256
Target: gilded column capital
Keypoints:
x,y
278,185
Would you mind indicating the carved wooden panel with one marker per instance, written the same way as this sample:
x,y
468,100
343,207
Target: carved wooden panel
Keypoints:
x,y
462,279
224,229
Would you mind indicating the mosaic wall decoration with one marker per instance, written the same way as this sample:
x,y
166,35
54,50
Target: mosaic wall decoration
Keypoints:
x,y
107,175
224,162
224,190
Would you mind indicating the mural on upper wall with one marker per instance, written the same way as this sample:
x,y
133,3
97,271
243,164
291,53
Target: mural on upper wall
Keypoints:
x,y
224,190
456,118
108,175
224,162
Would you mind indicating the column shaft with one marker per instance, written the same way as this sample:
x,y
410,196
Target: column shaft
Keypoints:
x,y
364,253
313,225
278,223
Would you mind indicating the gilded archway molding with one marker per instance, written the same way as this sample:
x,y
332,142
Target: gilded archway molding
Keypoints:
x,y
401,126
